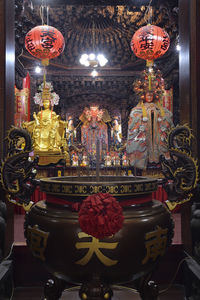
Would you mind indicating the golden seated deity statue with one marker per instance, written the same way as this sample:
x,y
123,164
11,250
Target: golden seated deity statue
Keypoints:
x,y
47,130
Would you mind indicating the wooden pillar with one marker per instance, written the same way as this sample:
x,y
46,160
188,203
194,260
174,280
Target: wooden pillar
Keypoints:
x,y
184,62
189,88
189,66
2,79
195,71
7,67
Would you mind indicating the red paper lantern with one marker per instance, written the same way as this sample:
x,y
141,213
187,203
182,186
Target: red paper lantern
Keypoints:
x,y
150,42
44,42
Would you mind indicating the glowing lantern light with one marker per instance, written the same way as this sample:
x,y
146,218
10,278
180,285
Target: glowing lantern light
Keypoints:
x,y
44,42
150,42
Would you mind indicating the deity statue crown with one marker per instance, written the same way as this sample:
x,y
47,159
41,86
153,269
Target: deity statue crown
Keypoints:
x,y
151,81
46,94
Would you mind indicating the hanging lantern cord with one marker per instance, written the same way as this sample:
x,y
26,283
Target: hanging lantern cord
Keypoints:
x,y
93,36
48,15
42,13
149,77
42,8
45,61
44,76
149,64
148,13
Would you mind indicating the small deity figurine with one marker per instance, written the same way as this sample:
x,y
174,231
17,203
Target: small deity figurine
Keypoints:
x,y
47,129
108,162
84,162
125,160
74,159
116,132
70,131
149,123
117,159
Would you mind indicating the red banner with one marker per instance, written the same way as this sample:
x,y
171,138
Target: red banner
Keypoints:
x,y
27,85
167,99
22,102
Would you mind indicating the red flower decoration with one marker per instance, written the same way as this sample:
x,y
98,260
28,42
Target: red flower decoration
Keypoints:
x,y
100,215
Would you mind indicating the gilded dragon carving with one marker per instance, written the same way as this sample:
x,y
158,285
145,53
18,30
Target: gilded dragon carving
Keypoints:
x,y
18,169
181,169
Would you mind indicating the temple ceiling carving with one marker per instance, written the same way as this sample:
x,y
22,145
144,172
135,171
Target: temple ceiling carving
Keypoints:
x,y
106,29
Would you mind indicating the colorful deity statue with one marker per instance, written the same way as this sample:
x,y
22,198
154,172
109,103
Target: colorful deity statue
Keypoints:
x,y
125,161
74,159
94,130
149,123
84,161
47,129
116,132
108,162
117,160
70,131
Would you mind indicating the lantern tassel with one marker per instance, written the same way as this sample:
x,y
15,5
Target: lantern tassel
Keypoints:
x,y
44,85
149,63
150,85
44,77
45,62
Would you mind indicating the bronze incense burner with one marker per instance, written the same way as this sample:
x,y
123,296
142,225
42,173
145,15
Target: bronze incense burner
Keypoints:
x,y
54,235
54,232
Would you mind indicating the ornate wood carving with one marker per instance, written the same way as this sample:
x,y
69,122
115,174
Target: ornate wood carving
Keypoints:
x,y
113,28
